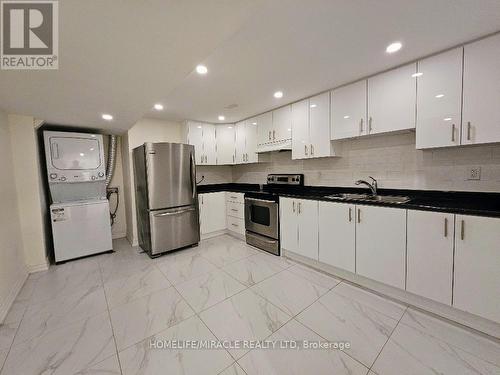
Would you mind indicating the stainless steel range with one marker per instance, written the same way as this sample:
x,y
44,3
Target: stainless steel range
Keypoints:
x,y
262,212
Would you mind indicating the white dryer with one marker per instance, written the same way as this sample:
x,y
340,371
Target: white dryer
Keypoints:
x,y
80,228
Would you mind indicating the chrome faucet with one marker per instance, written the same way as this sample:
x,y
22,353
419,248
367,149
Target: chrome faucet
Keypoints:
x,y
372,186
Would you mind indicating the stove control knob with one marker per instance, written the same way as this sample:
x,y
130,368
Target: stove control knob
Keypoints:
x,y
101,174
93,178
63,178
53,176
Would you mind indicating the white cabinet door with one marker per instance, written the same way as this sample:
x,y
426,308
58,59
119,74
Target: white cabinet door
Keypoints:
x,y
264,127
439,100
307,211
251,155
430,254
289,224
392,100
349,111
337,235
481,98
212,212
300,130
282,124
381,244
195,138
319,125
209,144
240,142
225,144
476,287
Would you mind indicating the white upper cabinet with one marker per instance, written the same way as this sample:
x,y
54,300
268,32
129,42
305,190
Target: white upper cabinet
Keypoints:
x,y
209,144
430,254
348,108
476,286
300,129
311,128
481,92
202,137
439,100
226,141
282,124
240,142
264,124
391,100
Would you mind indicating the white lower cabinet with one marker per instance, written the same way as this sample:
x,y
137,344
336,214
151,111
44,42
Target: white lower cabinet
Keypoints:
x,y
477,263
235,213
299,226
381,244
212,212
430,254
337,235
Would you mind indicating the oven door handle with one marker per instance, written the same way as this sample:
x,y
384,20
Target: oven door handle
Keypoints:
x,y
260,200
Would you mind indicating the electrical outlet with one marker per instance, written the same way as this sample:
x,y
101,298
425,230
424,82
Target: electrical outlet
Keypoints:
x,y
473,173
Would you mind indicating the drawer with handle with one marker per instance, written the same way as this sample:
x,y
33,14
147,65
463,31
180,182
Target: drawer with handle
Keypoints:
x,y
235,210
235,197
235,224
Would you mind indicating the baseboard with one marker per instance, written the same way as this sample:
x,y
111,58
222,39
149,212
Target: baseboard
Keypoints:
x,y
454,315
236,235
38,267
206,236
115,236
14,291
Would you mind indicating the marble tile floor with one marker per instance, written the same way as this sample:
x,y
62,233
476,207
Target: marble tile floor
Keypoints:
x,y
105,314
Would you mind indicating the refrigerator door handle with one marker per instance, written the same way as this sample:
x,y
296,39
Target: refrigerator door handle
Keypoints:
x,y
193,175
175,212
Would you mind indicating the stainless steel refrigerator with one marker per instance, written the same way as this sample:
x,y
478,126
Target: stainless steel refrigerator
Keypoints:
x,y
166,198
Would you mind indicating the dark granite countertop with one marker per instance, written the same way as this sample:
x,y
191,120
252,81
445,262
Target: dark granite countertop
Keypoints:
x,y
466,203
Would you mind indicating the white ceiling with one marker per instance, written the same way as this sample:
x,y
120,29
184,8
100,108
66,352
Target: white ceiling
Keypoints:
x,y
121,57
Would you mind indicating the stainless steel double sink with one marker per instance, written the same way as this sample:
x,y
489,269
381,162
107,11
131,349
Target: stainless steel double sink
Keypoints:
x,y
394,199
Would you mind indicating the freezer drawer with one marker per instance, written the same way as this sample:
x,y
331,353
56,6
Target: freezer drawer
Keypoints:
x,y
174,228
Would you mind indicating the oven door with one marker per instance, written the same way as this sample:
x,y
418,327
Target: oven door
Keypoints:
x,y
261,216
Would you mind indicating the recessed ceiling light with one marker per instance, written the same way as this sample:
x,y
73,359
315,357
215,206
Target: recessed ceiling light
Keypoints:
x,y
289,129
229,127
158,107
313,106
107,117
199,126
447,119
417,74
278,94
393,47
201,69
439,96
254,123
221,118
82,154
347,116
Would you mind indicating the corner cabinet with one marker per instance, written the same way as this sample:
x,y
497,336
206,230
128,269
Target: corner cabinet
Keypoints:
x,y
226,141
477,263
381,244
311,128
202,137
299,226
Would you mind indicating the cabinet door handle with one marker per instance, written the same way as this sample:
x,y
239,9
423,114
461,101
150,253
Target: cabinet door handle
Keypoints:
x,y
269,134
350,214
234,210
446,227
462,231
359,215
361,126
312,149
274,134
468,130
300,206
293,206
370,125
305,149
233,158
234,225
453,132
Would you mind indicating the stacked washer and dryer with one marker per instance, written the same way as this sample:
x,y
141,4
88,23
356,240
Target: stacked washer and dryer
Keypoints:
x,y
79,212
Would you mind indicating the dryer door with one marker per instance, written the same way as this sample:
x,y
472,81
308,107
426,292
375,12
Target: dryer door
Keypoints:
x,y
75,153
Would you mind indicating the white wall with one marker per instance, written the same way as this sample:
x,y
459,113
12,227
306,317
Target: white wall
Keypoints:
x,y
13,271
27,176
393,160
145,130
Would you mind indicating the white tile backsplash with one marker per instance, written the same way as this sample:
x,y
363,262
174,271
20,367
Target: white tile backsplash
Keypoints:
x,y
392,159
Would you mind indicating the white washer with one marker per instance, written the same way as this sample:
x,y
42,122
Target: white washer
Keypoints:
x,y
80,228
